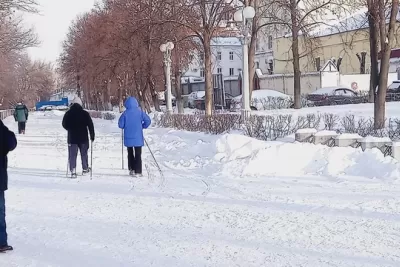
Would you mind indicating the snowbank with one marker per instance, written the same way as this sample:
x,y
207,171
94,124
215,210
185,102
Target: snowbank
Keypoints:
x,y
236,146
58,112
258,158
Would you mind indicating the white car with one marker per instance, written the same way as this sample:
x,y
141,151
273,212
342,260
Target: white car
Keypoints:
x,y
193,96
261,99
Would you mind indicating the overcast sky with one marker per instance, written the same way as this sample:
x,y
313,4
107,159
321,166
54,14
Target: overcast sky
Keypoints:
x,y
52,25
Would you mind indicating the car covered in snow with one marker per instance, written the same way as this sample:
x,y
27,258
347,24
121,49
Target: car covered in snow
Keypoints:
x,y
162,97
336,95
200,102
193,96
265,99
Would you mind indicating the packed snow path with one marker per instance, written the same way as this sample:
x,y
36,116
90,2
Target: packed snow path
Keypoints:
x,y
205,212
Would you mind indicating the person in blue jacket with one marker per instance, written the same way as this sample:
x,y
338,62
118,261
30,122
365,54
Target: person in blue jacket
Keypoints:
x,y
133,120
8,143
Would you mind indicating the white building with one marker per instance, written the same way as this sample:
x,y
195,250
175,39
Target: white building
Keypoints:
x,y
226,59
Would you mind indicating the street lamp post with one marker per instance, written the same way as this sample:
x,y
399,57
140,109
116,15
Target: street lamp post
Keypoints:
x,y
166,49
242,16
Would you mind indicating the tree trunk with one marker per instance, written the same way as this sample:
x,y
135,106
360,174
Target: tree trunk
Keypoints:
x,y
178,92
154,95
252,67
374,73
296,56
208,73
78,85
252,50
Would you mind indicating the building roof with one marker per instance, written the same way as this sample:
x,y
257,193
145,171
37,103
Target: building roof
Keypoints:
x,y
355,21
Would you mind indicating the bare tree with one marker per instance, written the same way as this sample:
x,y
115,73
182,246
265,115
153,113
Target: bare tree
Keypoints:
x,y
382,24
300,20
204,19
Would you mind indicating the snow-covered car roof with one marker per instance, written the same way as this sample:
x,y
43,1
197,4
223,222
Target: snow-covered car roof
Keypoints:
x,y
265,93
328,90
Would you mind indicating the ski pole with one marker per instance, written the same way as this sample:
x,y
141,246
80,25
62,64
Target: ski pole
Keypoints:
x,y
122,147
67,162
67,168
91,160
154,158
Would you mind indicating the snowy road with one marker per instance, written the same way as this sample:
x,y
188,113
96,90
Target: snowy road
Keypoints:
x,y
259,204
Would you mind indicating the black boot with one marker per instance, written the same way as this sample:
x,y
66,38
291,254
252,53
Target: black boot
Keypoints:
x,y
6,248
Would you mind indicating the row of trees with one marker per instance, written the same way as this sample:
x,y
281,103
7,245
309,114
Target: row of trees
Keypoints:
x,y
21,79
113,50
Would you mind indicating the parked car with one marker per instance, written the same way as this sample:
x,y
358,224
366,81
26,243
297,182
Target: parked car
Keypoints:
x,y
195,96
264,99
393,92
201,102
162,97
328,96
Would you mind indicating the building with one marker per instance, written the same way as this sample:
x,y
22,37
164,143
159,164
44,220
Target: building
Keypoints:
x,y
272,12
226,58
345,41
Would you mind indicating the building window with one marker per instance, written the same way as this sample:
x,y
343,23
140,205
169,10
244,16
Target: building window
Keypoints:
x,y
231,55
219,55
202,74
271,66
219,70
270,42
231,71
201,56
257,65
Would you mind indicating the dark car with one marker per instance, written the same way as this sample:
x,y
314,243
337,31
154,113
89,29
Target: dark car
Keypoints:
x,y
328,96
201,103
393,92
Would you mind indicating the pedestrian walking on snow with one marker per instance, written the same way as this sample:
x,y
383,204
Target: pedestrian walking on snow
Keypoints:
x,y
8,143
77,122
21,116
133,120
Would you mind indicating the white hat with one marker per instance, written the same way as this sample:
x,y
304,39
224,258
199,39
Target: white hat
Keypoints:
x,y
77,100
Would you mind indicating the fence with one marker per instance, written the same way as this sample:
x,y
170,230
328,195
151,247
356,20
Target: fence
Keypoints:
x,y
309,82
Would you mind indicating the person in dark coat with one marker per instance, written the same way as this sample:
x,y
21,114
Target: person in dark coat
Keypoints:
x,y
21,116
77,121
8,143
133,120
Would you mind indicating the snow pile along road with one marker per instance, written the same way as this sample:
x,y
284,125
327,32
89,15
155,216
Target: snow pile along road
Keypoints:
x,y
255,158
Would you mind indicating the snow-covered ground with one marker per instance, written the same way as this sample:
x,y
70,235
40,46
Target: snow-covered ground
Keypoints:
x,y
224,201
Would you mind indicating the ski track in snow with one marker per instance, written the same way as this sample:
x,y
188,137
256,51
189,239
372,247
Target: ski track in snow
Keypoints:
x,y
205,213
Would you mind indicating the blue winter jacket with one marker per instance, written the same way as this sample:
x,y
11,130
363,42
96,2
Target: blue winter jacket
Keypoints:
x,y
133,120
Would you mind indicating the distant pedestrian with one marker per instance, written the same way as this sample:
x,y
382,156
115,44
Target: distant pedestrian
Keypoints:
x,y
77,122
21,113
133,120
8,143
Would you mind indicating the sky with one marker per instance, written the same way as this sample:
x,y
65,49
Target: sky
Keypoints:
x,y
52,25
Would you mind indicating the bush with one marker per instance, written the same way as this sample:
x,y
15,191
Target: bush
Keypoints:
x,y
274,127
216,124
95,114
108,116
101,115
